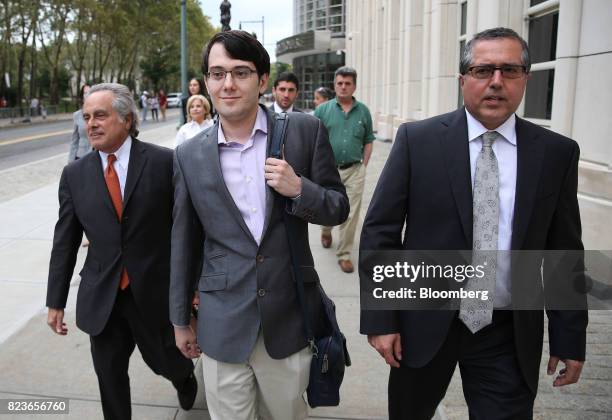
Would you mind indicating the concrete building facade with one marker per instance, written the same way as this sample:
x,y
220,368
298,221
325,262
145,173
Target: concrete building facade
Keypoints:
x,y
406,53
316,49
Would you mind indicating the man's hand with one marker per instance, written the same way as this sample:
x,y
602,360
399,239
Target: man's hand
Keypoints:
x,y
186,342
280,176
569,374
55,321
389,346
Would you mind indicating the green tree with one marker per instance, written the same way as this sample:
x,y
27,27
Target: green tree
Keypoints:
x,y
26,21
160,63
52,37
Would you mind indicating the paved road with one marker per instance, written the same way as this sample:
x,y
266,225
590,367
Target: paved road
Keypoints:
x,y
29,143
29,161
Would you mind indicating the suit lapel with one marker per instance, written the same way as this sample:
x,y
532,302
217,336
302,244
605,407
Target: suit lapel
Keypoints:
x,y
455,148
137,162
530,154
96,173
210,153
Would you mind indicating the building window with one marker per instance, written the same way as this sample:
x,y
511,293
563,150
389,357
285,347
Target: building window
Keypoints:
x,y
314,71
543,22
538,99
463,17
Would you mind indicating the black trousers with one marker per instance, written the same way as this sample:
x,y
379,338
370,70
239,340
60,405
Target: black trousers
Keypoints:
x,y
493,385
112,348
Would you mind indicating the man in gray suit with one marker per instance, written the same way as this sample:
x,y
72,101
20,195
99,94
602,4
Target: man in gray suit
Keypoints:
x,y
229,239
79,144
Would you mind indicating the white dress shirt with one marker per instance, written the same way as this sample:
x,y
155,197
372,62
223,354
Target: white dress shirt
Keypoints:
x,y
505,152
191,129
122,162
280,110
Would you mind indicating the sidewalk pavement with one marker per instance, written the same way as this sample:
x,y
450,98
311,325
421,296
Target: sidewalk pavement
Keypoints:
x,y
35,363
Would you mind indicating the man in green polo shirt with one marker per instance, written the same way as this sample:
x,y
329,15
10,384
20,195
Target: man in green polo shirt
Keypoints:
x,y
349,124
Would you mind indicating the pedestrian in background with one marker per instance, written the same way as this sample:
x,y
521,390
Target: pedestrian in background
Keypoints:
x,y
198,119
349,124
163,103
285,90
195,88
79,145
322,95
154,107
144,104
34,104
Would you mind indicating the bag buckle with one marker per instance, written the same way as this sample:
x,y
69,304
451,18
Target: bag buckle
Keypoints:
x,y
313,347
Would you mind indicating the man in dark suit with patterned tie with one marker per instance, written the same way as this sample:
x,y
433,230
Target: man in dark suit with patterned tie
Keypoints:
x,y
121,197
481,179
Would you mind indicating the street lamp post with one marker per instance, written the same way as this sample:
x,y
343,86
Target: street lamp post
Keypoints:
x,y
184,91
255,21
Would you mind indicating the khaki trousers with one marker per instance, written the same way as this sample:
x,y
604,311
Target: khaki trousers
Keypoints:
x,y
261,388
353,179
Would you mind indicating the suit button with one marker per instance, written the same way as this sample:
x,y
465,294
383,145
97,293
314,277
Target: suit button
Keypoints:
x,y
261,292
260,258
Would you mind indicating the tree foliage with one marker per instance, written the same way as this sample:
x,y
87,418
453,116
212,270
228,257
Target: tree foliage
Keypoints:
x,y
49,48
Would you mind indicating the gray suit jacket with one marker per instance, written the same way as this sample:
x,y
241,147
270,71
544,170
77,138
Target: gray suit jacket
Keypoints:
x,y
79,146
244,287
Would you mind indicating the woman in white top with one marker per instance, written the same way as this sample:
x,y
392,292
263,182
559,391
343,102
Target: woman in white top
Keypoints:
x,y
198,119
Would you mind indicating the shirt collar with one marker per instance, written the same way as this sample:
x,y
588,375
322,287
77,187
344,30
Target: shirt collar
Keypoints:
x,y
507,130
196,124
261,124
339,105
279,110
122,154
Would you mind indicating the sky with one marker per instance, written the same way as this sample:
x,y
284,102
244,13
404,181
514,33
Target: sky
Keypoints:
x,y
277,14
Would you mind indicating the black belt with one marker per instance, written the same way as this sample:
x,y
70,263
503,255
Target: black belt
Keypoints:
x,y
347,165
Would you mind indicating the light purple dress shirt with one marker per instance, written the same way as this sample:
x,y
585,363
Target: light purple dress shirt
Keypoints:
x,y
242,166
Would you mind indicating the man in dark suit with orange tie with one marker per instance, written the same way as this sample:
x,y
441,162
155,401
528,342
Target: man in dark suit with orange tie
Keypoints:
x,y
121,196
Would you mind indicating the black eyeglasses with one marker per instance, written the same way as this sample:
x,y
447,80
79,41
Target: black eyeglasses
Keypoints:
x,y
508,71
238,73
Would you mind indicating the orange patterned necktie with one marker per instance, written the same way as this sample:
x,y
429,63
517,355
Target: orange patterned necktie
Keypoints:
x,y
112,183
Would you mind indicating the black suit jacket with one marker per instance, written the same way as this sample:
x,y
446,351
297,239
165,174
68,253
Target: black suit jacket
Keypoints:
x,y
140,243
425,189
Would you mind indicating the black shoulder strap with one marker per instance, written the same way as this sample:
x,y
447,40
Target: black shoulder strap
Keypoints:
x,y
276,151
278,135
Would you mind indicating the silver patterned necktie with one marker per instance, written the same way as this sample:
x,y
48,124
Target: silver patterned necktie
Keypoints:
x,y
476,313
